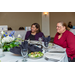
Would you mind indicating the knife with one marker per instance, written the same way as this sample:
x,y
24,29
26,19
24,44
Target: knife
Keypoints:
x,y
56,51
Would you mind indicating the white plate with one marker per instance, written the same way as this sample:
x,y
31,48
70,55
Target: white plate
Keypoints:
x,y
35,58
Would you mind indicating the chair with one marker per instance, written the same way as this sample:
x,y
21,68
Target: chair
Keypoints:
x,y
21,28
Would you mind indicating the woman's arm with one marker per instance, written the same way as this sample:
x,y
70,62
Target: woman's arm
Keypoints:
x,y
27,35
71,44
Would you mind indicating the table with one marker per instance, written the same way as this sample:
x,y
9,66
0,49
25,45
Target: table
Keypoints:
x,y
73,31
10,57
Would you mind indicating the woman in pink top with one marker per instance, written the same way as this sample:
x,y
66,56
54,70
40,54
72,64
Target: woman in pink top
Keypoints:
x,y
65,39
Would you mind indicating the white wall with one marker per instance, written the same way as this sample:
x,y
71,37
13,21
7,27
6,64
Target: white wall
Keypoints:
x,y
45,24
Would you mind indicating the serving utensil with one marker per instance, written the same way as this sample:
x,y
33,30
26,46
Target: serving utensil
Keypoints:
x,y
50,59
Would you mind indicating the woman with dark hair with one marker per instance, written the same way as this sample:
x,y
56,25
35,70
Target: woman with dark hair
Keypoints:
x,y
35,32
65,39
70,25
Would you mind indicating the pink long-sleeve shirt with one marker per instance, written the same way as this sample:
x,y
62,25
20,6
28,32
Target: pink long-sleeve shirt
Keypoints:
x,y
66,41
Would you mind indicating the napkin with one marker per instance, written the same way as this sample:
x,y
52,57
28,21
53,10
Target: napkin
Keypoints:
x,y
24,45
57,56
33,48
46,40
16,50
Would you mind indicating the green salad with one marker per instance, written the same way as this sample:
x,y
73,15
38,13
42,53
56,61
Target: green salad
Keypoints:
x,y
35,54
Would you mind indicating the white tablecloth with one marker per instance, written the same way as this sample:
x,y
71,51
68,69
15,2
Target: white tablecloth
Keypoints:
x,y
10,57
73,31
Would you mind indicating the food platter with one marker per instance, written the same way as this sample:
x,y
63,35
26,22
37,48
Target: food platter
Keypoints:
x,y
35,55
34,42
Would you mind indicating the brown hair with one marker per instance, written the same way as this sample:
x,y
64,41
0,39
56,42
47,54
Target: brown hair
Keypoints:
x,y
69,23
64,24
37,26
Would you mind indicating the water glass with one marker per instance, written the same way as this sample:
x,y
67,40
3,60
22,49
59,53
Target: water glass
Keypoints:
x,y
50,45
40,41
24,53
46,46
28,41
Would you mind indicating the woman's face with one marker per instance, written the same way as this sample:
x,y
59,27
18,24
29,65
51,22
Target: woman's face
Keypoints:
x,y
33,28
60,28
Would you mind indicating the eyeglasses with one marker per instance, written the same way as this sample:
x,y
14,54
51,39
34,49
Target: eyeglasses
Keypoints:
x,y
58,26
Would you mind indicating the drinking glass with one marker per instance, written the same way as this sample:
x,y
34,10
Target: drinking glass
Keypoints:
x,y
50,45
24,53
46,46
29,41
40,41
